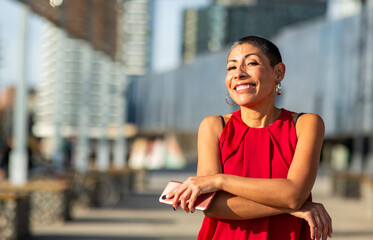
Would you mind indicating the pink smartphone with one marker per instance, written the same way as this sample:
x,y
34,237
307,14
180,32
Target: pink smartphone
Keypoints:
x,y
202,203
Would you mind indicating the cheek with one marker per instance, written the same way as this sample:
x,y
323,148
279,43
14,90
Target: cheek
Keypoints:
x,y
266,79
261,73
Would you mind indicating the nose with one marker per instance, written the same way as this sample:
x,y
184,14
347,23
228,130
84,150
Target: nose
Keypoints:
x,y
241,73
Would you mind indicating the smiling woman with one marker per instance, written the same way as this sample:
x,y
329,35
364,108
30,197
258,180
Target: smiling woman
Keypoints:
x,y
251,76
260,160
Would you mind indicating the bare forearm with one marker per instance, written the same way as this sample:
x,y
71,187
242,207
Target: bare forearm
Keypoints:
x,y
228,206
264,191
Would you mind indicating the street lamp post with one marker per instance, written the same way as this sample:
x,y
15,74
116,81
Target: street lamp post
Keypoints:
x,y
18,157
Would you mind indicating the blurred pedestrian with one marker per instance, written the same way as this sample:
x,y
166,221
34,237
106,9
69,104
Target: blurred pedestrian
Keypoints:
x,y
261,160
5,149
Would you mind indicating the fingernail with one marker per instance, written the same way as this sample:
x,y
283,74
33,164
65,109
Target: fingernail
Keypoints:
x,y
164,197
174,208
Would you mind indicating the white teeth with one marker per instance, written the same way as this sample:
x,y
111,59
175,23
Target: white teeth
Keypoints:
x,y
243,87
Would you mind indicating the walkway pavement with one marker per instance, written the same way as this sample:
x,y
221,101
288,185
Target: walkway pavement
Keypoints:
x,y
140,217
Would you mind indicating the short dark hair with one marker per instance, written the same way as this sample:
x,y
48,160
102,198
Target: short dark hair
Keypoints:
x,y
267,47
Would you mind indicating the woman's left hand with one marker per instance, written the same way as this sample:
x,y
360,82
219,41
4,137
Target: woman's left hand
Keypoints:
x,y
186,194
318,219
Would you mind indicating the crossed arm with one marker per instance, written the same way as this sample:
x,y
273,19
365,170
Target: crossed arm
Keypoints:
x,y
249,198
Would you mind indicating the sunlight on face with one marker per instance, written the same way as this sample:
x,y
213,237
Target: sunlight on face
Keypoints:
x,y
250,79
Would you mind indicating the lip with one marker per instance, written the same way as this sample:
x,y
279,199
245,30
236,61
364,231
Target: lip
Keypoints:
x,y
245,89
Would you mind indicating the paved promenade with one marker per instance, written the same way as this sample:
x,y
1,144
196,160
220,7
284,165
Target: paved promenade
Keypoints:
x,y
140,217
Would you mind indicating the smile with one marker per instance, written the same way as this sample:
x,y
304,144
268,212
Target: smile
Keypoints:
x,y
244,86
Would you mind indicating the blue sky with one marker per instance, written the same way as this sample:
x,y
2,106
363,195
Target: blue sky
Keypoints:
x,y
10,43
168,32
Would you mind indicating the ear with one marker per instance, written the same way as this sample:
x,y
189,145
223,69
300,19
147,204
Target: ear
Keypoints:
x,y
280,72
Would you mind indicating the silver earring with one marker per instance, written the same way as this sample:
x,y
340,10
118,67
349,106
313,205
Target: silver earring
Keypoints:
x,y
226,100
278,89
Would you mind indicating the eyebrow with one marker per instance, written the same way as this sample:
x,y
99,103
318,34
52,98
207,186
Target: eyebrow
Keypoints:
x,y
246,56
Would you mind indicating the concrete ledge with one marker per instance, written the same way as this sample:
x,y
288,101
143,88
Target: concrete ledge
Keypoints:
x,y
113,185
346,184
14,216
48,199
105,189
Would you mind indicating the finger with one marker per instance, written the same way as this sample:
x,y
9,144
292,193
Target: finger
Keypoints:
x,y
175,201
325,232
192,201
313,234
311,222
326,220
319,228
170,195
330,231
326,223
176,195
330,222
184,200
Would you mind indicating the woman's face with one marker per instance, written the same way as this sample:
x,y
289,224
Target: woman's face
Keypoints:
x,y
250,78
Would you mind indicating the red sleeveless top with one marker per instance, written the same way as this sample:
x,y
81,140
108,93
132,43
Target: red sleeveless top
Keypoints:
x,y
257,153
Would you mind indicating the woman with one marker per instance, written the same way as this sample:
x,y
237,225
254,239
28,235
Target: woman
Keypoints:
x,y
261,160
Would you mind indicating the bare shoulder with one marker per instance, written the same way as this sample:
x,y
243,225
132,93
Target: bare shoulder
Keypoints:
x,y
309,118
227,117
213,125
209,134
309,122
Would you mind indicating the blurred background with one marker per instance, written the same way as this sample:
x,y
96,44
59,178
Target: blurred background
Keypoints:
x,y
100,102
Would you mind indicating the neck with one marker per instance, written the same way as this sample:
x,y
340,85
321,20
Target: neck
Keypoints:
x,y
259,118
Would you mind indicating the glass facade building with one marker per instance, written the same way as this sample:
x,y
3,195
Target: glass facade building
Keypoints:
x,y
213,28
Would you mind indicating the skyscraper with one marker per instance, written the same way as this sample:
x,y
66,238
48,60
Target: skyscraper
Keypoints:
x,y
81,95
137,31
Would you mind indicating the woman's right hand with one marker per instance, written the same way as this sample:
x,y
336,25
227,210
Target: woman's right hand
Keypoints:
x,y
318,219
186,194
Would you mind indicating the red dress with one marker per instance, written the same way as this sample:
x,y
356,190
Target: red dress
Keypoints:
x,y
257,153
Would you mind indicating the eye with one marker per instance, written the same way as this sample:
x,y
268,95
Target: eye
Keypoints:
x,y
231,68
253,63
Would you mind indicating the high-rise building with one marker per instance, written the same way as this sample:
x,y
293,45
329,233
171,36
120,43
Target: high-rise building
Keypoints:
x,y
213,28
95,21
81,90
204,31
81,94
136,40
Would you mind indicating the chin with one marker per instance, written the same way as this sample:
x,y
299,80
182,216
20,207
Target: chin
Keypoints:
x,y
243,102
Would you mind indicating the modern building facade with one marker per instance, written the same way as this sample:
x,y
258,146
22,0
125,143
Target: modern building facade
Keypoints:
x,y
95,21
136,36
91,49
81,99
329,69
213,28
